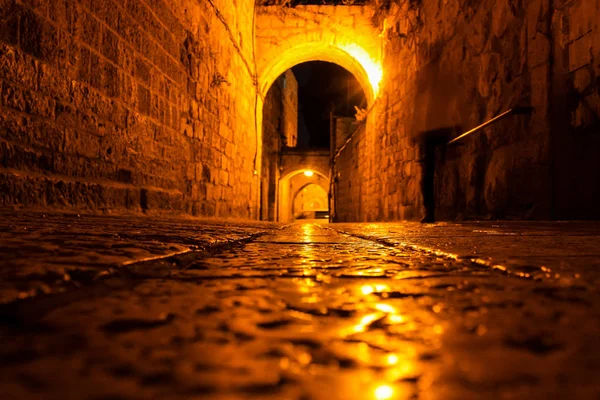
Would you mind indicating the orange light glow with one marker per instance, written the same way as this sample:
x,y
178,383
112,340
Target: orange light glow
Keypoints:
x,y
384,392
308,173
365,322
396,319
372,67
392,359
386,308
367,289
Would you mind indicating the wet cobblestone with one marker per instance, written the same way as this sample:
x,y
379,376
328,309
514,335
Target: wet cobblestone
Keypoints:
x,y
563,251
49,253
309,313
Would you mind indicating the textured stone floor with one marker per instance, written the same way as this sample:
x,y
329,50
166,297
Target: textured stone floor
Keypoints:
x,y
49,253
380,311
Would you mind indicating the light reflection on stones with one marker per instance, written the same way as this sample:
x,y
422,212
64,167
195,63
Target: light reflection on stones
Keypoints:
x,y
300,323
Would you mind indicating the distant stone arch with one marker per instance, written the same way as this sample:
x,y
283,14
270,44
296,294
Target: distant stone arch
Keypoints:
x,y
313,195
295,161
321,185
291,184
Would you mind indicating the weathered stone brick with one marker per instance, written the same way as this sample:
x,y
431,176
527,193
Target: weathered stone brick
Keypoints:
x,y
144,100
110,79
88,29
110,46
10,14
37,36
59,12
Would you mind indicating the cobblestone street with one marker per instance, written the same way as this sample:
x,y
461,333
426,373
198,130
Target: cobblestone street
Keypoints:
x,y
299,199
308,311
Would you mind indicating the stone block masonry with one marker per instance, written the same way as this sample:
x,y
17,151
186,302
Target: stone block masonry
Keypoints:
x,y
128,106
576,109
462,64
344,35
272,138
290,109
151,106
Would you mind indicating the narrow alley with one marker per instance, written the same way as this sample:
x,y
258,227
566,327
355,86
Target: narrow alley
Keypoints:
x,y
151,308
299,199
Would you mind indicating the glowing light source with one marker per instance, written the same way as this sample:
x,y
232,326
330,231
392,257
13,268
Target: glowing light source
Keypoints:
x,y
386,308
396,319
384,392
367,289
372,68
392,359
308,173
365,322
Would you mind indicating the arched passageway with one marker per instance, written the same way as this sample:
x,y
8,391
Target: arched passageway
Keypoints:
x,y
310,201
341,35
291,185
304,122
286,37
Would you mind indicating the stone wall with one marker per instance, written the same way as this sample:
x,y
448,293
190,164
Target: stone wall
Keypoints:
x,y
461,64
344,35
298,160
290,108
280,128
348,177
480,61
151,105
128,106
343,128
575,109
272,137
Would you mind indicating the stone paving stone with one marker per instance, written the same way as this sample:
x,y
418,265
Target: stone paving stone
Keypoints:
x,y
562,250
45,253
283,317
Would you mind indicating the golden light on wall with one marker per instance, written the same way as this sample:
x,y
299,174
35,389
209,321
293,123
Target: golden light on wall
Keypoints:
x,y
352,56
372,68
384,392
308,173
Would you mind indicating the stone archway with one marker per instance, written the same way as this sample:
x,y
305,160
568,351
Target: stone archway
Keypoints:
x,y
343,35
289,186
288,36
309,198
293,160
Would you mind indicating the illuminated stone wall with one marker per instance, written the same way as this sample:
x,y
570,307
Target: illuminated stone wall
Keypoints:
x,y
273,116
290,109
297,160
151,105
352,179
343,35
280,128
461,64
130,106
